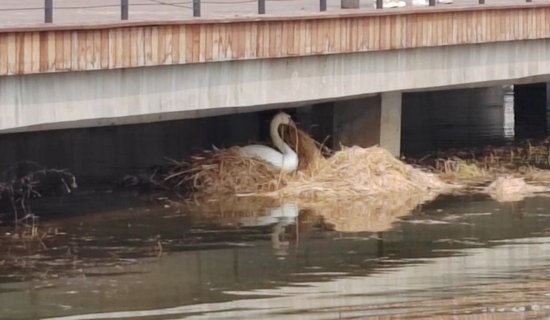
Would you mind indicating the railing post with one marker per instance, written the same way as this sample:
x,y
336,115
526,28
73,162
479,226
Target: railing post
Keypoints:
x,y
261,6
323,5
196,8
432,3
124,9
529,0
379,4
48,11
481,1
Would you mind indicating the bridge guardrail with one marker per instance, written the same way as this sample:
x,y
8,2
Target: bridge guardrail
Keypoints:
x,y
194,5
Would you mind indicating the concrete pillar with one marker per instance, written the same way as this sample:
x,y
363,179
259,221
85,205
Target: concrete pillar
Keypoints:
x,y
390,122
531,110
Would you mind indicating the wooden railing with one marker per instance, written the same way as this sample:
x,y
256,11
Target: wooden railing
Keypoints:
x,y
49,7
127,45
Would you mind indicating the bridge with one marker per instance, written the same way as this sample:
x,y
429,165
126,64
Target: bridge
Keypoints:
x,y
88,68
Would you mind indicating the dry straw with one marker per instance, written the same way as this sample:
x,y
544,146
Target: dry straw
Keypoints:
x,y
350,173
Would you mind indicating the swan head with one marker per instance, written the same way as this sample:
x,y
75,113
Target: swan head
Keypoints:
x,y
283,118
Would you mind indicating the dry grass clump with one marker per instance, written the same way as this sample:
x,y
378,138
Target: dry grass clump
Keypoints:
x,y
477,165
226,171
357,172
510,189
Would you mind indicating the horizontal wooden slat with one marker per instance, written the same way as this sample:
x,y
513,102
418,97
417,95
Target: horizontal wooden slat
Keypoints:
x,y
28,52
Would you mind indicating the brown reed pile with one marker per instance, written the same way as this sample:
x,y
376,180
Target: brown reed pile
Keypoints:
x,y
357,172
350,173
529,159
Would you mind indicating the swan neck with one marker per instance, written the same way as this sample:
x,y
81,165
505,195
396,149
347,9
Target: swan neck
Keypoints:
x,y
276,138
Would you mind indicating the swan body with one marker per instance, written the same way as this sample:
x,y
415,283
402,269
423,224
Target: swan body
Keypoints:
x,y
285,159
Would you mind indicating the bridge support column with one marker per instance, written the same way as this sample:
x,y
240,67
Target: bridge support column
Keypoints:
x,y
357,122
532,110
390,122
360,122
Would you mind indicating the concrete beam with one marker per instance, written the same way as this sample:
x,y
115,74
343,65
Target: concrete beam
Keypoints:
x,y
149,94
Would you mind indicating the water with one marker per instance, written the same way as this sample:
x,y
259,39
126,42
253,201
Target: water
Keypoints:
x,y
468,257
457,119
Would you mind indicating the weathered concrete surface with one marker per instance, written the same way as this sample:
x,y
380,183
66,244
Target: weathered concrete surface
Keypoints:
x,y
390,122
152,94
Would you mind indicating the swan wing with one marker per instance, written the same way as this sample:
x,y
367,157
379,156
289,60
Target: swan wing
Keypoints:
x,y
264,153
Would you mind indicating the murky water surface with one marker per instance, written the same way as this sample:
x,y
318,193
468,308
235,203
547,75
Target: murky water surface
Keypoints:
x,y
465,257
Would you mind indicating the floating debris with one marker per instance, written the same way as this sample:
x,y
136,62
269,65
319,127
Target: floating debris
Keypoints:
x,y
510,189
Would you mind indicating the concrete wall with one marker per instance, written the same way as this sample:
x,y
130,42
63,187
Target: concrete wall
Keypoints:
x,y
97,98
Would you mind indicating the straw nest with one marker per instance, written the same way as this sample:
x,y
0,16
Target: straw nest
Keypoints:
x,y
351,173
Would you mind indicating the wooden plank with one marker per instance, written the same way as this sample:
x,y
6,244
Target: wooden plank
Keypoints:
x,y
25,62
148,46
337,36
13,54
43,52
4,54
283,48
182,43
294,44
134,46
89,54
277,41
260,40
118,48
209,42
167,35
51,38
304,43
202,43
160,47
96,50
105,49
344,35
175,44
154,59
375,34
196,38
71,50
314,37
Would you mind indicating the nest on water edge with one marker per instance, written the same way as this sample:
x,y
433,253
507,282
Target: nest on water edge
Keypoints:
x,y
352,172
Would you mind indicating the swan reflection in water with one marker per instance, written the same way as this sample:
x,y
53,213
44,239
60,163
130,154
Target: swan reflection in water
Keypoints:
x,y
288,219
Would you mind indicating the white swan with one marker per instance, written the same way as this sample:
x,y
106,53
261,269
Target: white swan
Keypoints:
x,y
286,159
